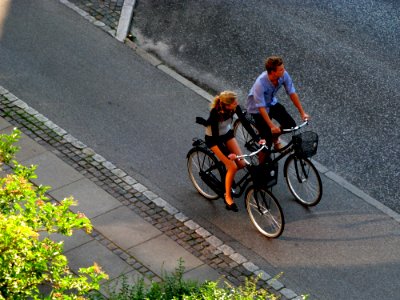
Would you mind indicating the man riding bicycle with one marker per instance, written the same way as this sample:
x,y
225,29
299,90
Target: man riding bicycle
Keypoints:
x,y
263,104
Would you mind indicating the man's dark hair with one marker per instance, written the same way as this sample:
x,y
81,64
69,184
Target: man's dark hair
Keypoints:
x,y
272,62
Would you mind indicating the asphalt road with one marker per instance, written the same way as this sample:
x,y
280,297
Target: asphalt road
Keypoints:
x,y
343,55
143,121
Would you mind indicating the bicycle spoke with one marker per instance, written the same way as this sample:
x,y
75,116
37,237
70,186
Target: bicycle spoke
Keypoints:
x,y
271,216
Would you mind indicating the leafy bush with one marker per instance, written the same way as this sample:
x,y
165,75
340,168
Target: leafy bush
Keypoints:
x,y
173,286
27,260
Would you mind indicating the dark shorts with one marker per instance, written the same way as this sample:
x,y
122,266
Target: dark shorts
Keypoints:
x,y
278,113
219,140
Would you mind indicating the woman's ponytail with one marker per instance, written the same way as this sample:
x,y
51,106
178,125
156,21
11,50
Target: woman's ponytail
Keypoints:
x,y
226,97
216,101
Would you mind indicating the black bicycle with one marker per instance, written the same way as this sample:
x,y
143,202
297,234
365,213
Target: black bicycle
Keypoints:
x,y
302,177
207,174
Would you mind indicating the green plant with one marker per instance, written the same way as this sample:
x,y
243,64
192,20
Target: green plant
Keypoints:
x,y
173,286
247,291
27,260
7,147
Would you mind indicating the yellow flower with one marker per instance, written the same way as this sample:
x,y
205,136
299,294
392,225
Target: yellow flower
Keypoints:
x,y
81,215
97,268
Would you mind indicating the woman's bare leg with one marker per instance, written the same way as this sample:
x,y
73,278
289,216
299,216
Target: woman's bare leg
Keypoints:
x,y
231,169
234,147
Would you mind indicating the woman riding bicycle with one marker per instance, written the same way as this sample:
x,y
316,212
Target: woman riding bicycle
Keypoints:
x,y
220,139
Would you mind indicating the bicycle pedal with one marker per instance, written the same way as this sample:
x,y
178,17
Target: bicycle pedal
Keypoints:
x,y
234,193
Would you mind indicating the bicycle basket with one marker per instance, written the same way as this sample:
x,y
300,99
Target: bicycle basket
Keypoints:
x,y
305,144
264,175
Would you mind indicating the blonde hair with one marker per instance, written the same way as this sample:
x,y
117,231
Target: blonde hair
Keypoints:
x,y
226,97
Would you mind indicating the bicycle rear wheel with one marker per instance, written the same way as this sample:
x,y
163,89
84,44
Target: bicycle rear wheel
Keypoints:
x,y
243,137
265,212
303,180
205,173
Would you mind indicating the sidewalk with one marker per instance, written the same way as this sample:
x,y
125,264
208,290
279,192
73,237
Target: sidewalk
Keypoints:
x,y
136,233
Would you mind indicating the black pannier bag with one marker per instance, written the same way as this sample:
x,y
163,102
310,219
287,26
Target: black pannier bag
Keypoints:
x,y
264,175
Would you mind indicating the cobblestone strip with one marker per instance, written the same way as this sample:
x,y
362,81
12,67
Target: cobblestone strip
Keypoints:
x,y
187,233
103,14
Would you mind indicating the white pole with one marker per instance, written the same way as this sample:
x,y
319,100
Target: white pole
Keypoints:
x,y
125,20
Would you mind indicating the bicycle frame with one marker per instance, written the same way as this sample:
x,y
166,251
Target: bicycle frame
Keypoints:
x,y
242,184
217,185
288,149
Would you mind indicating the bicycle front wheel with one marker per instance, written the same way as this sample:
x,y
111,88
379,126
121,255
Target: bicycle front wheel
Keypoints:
x,y
205,173
265,212
303,180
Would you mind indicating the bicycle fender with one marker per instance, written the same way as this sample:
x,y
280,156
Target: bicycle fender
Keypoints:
x,y
199,144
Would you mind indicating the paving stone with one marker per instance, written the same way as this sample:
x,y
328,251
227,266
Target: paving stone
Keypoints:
x,y
263,275
3,91
118,172
250,266
4,124
162,254
52,171
129,180
226,249
125,227
86,255
275,284
139,187
238,258
214,241
77,239
20,104
92,200
202,273
287,293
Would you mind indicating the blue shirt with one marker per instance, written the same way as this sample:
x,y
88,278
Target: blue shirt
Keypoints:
x,y
263,92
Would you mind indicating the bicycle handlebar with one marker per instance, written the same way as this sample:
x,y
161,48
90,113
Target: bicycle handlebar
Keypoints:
x,y
263,146
296,127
